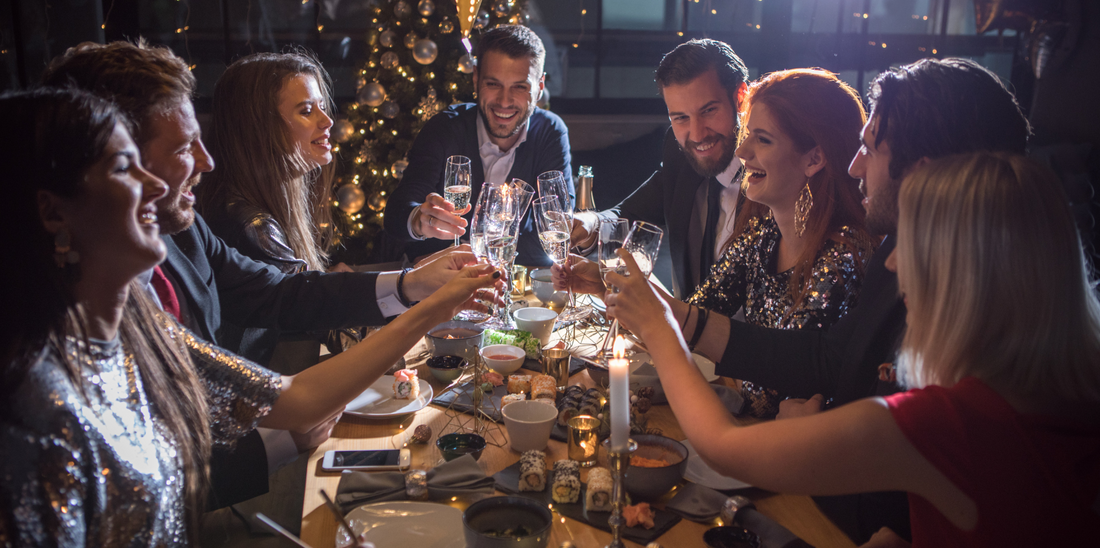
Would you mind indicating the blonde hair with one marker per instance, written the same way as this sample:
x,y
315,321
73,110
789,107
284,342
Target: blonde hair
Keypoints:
x,y
996,280
256,159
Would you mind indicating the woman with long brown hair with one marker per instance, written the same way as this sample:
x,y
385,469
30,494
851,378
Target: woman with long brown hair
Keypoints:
x,y
108,408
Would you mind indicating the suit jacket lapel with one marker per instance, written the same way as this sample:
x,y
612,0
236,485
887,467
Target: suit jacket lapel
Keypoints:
x,y
682,213
195,290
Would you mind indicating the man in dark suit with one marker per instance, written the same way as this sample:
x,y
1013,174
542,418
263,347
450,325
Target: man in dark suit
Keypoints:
x,y
504,135
203,281
694,194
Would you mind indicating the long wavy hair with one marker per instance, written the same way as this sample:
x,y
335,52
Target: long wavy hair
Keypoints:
x,y
996,280
257,162
814,108
49,140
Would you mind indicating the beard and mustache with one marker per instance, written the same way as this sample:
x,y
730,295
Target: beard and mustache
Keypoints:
x,y
712,168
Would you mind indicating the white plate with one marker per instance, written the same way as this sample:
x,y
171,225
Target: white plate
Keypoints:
x,y
698,472
377,402
642,364
408,523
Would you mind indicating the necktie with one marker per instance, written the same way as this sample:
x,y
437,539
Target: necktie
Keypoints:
x,y
710,231
165,292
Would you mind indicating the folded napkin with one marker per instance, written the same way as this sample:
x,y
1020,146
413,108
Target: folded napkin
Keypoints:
x,y
458,477
698,503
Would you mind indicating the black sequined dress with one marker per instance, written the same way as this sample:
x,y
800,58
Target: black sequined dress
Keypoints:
x,y
746,277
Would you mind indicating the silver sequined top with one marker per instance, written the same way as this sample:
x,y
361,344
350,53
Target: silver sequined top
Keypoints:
x,y
745,276
102,471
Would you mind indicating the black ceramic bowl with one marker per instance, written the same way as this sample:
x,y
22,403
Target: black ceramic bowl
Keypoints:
x,y
651,483
446,368
600,375
729,536
455,445
493,522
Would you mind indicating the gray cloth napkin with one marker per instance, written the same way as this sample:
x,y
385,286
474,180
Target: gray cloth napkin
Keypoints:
x,y
458,477
698,503
730,398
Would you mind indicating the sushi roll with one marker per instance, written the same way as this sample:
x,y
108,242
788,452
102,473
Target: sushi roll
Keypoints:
x,y
567,489
511,398
532,471
519,384
544,387
598,496
567,467
405,385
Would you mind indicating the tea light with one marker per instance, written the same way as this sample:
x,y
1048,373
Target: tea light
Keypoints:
x,y
583,439
619,373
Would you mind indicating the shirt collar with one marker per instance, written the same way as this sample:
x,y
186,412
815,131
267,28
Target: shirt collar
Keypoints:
x,y
485,146
727,176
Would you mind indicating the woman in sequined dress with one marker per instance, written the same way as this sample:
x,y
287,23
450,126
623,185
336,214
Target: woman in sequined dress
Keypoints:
x,y
108,408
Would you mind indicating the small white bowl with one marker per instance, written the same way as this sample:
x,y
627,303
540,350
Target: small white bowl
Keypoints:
x,y
504,367
529,423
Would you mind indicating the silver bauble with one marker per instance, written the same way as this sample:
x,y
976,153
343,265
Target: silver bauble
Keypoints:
x,y
426,7
377,202
501,8
389,60
373,93
447,26
389,109
388,38
402,9
466,64
482,20
350,198
342,130
425,51
410,39
398,168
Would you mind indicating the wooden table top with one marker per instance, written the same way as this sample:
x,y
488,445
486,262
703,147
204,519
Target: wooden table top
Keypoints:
x,y
795,512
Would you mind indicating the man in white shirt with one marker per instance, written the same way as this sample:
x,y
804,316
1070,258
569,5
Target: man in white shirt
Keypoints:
x,y
694,194
504,135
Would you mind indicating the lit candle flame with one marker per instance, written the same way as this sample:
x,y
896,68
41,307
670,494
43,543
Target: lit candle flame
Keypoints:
x,y
619,348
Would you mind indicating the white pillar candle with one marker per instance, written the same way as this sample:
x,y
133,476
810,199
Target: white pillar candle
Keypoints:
x,y
619,368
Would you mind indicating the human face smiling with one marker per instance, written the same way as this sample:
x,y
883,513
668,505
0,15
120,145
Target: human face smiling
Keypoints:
x,y
871,166
775,170
704,120
113,218
175,154
507,89
303,108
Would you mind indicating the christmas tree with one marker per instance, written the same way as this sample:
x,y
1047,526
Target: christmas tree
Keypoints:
x,y
418,65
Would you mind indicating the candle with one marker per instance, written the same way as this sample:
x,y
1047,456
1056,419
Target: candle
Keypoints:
x,y
619,368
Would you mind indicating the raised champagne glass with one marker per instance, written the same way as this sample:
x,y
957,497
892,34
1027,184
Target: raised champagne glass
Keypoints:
x,y
456,184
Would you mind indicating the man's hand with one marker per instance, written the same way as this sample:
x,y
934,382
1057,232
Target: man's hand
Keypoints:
x,y
431,273
437,218
317,435
800,407
580,273
586,225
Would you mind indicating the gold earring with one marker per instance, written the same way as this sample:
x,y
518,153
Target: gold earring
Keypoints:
x,y
802,209
62,249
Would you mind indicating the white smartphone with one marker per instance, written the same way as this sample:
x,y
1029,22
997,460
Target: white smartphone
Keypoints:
x,y
381,459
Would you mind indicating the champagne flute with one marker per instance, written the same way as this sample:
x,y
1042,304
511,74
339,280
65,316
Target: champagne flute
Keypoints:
x,y
507,204
554,223
643,242
612,234
456,184
478,225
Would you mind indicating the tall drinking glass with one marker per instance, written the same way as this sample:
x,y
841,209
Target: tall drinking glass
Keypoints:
x,y
552,183
554,222
477,244
456,184
506,206
643,242
613,233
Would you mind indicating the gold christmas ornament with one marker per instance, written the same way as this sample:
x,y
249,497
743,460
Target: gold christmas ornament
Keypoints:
x,y
425,51
350,198
426,7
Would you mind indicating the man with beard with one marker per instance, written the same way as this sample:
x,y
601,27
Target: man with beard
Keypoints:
x,y
504,135
694,194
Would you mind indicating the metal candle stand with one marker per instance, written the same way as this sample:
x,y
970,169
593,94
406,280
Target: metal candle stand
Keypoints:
x,y
618,461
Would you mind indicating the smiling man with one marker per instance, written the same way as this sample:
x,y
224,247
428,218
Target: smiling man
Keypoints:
x,y
693,195
504,135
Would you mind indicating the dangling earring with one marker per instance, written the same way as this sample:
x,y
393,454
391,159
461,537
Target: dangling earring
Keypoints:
x,y
802,209
62,249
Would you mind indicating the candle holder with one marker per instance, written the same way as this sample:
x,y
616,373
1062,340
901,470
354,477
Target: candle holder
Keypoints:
x,y
618,461
584,439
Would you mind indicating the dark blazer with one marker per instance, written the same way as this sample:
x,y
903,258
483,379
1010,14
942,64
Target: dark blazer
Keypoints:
x,y
215,283
667,199
454,131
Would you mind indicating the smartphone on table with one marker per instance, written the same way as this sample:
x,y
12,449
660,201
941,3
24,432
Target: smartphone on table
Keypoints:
x,y
371,459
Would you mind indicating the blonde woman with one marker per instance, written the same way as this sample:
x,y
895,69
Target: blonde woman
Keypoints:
x,y
998,440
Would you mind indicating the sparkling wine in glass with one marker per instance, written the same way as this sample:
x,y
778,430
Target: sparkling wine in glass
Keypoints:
x,y
613,233
554,222
456,184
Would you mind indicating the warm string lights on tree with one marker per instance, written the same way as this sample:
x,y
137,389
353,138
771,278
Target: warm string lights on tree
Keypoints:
x,y
417,66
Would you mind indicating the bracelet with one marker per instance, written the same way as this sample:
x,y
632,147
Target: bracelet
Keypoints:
x,y
686,318
401,291
700,324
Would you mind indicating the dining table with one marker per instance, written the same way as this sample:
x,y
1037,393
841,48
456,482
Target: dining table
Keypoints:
x,y
798,513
